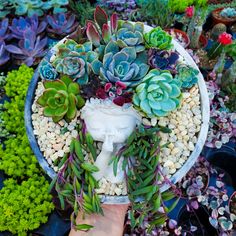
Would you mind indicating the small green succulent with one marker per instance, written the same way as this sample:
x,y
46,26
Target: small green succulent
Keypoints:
x,y
187,75
123,65
73,59
61,99
158,38
131,35
158,94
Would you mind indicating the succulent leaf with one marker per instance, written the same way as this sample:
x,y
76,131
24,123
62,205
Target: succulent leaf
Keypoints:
x,y
100,16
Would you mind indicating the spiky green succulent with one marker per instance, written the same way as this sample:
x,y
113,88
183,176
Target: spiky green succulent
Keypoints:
x,y
123,65
73,59
131,35
158,38
61,99
158,94
186,75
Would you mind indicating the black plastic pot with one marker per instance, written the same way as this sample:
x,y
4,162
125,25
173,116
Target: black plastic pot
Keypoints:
x,y
198,218
224,158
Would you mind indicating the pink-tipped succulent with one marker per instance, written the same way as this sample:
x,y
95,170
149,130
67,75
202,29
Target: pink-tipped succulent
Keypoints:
x,y
99,31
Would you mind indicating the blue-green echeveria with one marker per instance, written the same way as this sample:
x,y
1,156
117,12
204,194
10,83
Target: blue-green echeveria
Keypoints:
x,y
158,94
74,60
47,71
123,65
131,35
158,38
186,75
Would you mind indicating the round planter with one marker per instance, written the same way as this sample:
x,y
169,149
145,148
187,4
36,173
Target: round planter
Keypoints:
x,y
176,177
218,19
197,218
182,33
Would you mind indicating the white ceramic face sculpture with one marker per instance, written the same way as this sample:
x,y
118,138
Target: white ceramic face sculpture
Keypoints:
x,y
112,125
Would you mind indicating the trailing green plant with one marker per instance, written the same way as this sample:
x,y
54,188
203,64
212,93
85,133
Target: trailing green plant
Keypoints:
x,y
157,13
230,50
23,207
75,183
144,177
61,99
17,159
158,94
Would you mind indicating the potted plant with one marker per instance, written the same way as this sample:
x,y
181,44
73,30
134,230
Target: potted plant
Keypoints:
x,y
86,90
226,16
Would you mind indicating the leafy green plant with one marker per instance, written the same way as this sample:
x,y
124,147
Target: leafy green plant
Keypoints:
x,y
144,177
75,183
157,13
24,206
180,6
17,159
83,9
61,99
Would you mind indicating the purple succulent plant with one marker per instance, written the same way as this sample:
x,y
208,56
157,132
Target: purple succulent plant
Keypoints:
x,y
163,60
4,55
61,24
19,26
4,35
29,49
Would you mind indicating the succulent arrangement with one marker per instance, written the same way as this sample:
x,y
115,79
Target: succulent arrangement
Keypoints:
x,y
115,62
228,12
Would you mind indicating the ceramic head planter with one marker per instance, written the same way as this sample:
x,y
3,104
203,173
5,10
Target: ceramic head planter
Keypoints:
x,y
112,125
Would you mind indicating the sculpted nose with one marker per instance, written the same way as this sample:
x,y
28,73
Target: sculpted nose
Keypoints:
x,y
108,143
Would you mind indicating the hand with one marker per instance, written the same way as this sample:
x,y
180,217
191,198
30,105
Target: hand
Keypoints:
x,y
111,224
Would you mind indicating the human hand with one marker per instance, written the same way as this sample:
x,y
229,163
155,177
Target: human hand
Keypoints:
x,y
112,223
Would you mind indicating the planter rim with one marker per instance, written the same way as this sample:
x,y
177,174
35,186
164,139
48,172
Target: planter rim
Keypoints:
x,y
107,199
223,20
181,32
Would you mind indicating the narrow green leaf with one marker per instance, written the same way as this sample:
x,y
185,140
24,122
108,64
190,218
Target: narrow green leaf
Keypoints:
x,y
83,227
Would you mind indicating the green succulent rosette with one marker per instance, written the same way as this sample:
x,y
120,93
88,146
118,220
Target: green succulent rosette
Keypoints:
x,y
61,99
187,75
158,38
158,94
74,60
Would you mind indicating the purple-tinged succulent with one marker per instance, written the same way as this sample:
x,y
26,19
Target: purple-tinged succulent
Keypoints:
x,y
4,35
4,55
19,26
162,60
29,49
61,24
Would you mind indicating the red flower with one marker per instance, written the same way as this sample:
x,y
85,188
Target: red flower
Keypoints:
x,y
189,11
225,38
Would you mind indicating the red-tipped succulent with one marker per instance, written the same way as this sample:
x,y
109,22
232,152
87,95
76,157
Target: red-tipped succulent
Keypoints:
x,y
99,31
